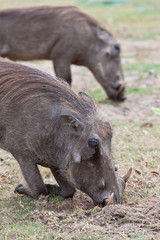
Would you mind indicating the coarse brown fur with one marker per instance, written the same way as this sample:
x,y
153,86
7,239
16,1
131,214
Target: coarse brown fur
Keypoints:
x,y
30,85
67,36
43,122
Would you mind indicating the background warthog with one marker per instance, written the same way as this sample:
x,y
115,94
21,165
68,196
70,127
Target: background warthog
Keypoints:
x,y
67,36
44,122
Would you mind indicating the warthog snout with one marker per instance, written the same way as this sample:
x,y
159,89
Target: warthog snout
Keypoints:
x,y
117,92
112,198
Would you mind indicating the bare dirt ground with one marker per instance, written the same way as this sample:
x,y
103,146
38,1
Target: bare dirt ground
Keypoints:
x,y
139,216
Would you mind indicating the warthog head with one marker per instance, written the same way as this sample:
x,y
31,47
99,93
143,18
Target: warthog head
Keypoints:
x,y
91,169
106,65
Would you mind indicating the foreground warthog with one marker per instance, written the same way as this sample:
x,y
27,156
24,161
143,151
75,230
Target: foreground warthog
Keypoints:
x,y
42,121
67,36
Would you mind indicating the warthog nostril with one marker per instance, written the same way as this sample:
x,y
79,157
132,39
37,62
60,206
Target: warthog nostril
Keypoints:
x,y
118,76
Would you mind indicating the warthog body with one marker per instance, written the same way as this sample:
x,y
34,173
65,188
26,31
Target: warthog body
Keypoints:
x,y
66,36
43,122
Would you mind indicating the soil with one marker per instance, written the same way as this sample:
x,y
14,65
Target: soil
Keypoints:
x,y
78,218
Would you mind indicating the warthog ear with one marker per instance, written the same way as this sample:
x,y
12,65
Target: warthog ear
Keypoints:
x,y
71,123
87,99
103,35
85,96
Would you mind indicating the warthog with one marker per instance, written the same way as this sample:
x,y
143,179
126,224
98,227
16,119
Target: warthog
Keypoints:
x,y
66,36
43,122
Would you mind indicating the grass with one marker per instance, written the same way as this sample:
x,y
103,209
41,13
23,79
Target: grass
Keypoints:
x,y
25,231
99,94
20,219
141,90
144,69
134,19
138,149
156,110
137,19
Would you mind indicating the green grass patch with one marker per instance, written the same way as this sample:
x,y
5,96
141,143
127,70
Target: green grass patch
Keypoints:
x,y
138,147
133,234
25,231
55,199
20,206
19,221
144,69
136,19
140,90
153,34
156,110
99,94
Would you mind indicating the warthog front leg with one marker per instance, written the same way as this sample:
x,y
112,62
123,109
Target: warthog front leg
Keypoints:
x,y
62,70
64,189
31,173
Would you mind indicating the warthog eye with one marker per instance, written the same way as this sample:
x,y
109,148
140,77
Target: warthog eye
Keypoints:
x,y
93,143
117,47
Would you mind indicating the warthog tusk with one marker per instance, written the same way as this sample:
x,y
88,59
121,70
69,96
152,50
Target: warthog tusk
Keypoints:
x,y
126,177
109,201
121,87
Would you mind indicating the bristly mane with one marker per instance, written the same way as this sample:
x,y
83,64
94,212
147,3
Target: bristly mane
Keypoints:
x,y
21,84
40,12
